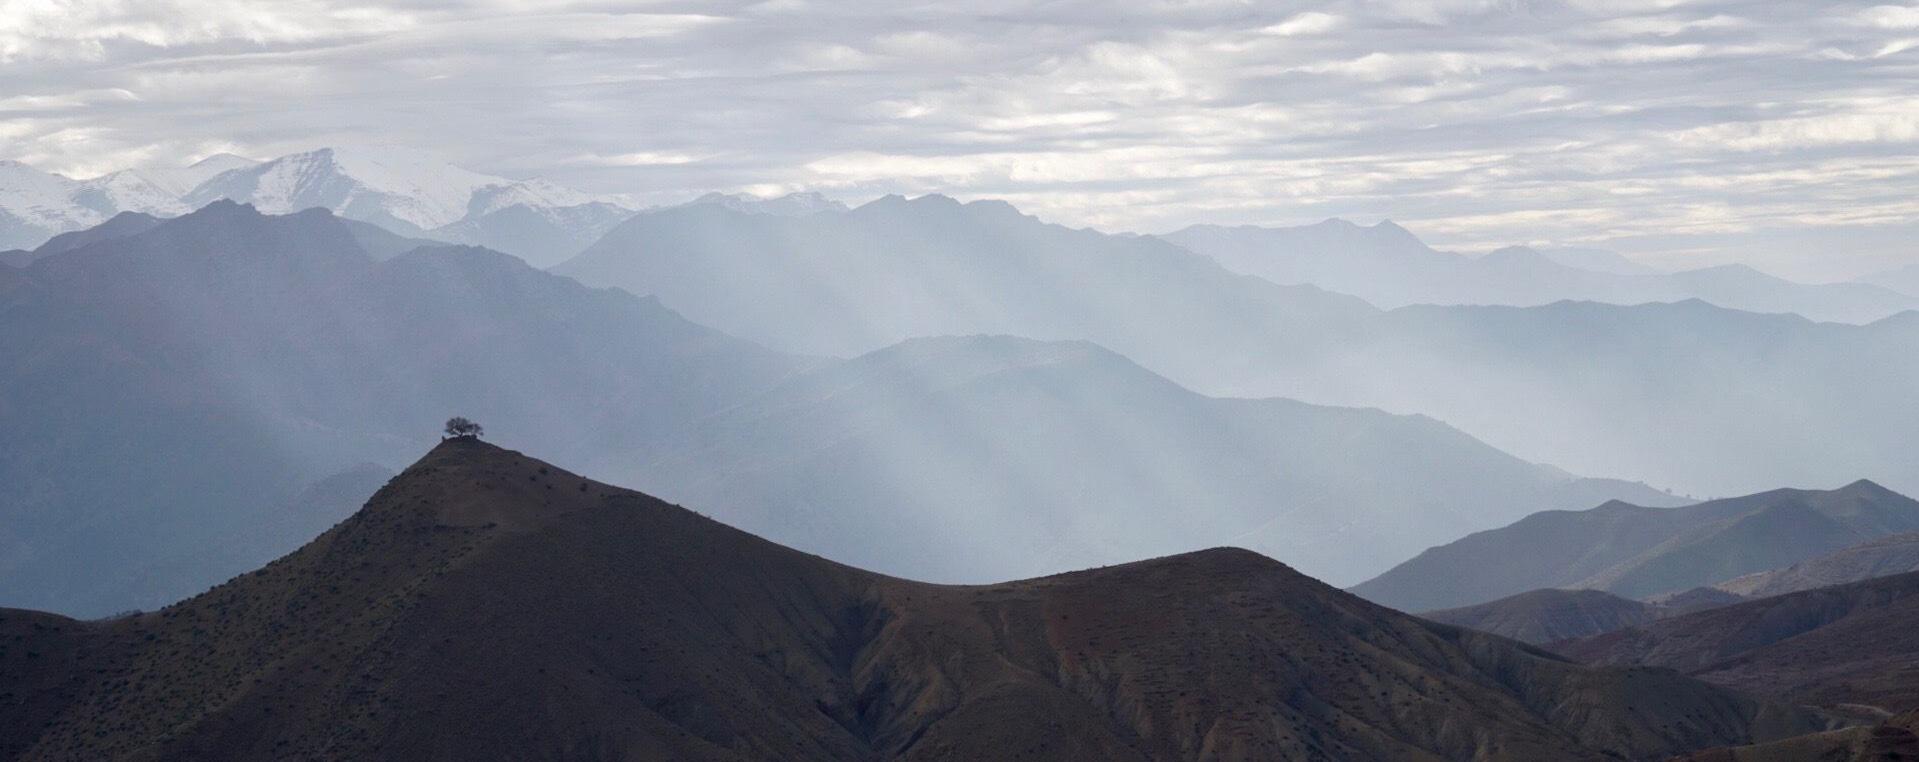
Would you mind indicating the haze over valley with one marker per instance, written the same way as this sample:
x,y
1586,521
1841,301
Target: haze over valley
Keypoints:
x,y
1138,380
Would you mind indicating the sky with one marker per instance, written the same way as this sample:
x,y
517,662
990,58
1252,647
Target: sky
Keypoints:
x,y
1785,134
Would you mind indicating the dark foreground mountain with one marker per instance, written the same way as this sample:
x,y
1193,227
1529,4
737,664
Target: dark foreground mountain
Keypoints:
x,y
1849,644
989,457
488,606
1640,552
1882,557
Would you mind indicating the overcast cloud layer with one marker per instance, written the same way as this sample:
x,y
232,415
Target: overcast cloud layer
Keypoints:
x,y
1685,132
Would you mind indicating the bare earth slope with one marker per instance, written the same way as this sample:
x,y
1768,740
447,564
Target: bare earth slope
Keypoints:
x,y
1851,644
485,605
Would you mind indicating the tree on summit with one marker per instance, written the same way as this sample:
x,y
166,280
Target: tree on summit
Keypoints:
x,y
460,427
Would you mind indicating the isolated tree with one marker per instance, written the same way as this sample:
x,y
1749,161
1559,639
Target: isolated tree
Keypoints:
x,y
461,427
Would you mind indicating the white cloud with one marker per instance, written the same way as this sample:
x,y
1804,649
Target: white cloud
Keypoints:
x,y
1480,121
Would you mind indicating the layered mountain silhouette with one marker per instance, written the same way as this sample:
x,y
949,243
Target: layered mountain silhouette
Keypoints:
x,y
485,605
1656,392
158,387
849,282
986,457
1846,644
1390,267
1638,552
227,341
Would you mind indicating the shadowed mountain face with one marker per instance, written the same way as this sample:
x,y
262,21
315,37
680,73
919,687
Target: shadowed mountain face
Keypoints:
x,y
1550,615
986,457
1639,552
157,387
1895,740
1684,395
1883,557
1848,644
488,606
1387,266
1545,616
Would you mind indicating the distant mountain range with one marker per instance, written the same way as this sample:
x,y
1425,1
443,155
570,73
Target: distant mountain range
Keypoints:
x,y
231,341
1639,552
1847,644
1386,265
36,205
1548,615
992,456
1662,393
407,192
485,605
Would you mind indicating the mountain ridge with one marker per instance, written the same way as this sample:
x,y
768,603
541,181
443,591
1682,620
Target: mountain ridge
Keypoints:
x,y
1638,552
732,647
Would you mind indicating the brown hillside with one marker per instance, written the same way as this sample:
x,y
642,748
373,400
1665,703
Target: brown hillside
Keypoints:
x,y
1846,644
484,605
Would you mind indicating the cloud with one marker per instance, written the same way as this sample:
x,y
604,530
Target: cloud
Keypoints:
x,y
1476,121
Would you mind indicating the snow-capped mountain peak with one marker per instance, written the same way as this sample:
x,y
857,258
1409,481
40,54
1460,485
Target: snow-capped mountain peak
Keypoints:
x,y
396,187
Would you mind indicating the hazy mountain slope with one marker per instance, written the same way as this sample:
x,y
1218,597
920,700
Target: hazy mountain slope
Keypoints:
x,y
1544,616
789,205
1685,396
158,387
845,283
992,456
1389,267
1902,279
488,606
542,235
119,226
1597,260
1853,644
1881,557
1638,552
